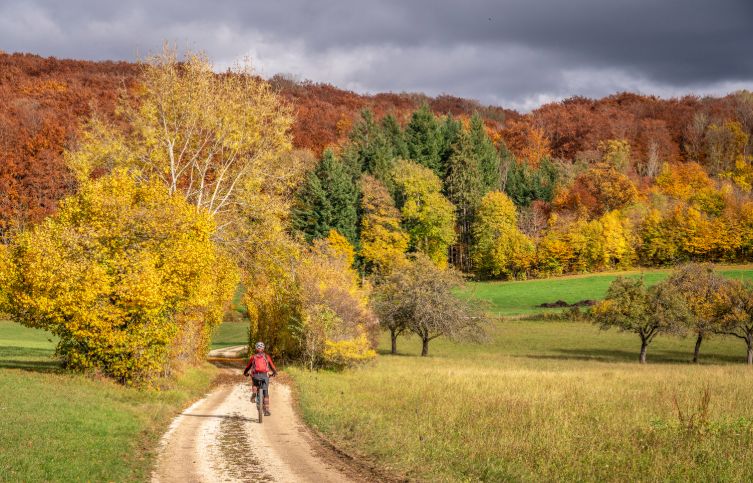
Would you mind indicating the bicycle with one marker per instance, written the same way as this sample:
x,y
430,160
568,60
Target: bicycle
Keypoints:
x,y
263,386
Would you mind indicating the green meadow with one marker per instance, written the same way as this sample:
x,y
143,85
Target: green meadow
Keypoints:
x,y
544,400
58,426
523,297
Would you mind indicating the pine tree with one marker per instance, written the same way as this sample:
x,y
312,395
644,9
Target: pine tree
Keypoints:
x,y
328,200
487,155
394,134
370,149
450,134
424,139
464,187
525,184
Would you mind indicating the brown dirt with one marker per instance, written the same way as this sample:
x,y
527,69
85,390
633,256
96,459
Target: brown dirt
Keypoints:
x,y
219,439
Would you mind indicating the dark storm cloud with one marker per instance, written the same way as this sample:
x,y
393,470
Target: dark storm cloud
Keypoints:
x,y
518,53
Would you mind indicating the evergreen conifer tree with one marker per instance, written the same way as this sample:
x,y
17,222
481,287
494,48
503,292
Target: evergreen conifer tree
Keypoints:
x,y
464,187
450,134
327,200
424,139
486,153
394,134
370,149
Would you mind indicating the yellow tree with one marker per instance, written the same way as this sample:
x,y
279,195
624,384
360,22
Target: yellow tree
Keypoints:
x,y
683,180
500,249
341,246
427,215
615,152
125,274
383,240
202,134
617,241
338,328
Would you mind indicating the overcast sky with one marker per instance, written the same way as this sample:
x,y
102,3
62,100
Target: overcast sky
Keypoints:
x,y
513,53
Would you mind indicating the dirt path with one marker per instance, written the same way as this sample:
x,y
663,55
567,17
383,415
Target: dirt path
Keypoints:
x,y
218,439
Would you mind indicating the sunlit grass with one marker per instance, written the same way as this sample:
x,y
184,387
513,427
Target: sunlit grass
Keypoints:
x,y
56,426
544,401
523,297
230,334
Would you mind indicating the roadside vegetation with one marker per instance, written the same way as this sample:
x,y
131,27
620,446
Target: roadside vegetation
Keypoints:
x,y
61,426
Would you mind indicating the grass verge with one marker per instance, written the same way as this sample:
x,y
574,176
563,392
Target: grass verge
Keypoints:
x,y
58,426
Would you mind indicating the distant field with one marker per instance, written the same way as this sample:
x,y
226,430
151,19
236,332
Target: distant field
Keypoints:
x,y
543,401
56,426
522,297
230,334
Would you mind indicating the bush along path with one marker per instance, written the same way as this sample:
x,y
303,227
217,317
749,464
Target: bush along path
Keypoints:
x,y
219,439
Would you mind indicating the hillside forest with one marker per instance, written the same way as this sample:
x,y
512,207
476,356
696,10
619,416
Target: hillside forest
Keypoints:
x,y
574,186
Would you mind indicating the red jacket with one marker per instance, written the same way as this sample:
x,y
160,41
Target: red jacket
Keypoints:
x,y
270,365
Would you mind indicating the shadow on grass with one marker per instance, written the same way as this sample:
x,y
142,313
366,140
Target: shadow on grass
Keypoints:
x,y
29,359
663,356
387,352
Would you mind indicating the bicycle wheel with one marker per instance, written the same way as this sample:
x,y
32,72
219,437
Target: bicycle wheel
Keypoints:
x,y
259,399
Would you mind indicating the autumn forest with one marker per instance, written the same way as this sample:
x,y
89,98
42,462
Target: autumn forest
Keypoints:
x,y
585,184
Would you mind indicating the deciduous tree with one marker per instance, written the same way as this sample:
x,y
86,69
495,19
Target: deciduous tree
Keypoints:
x,y
631,307
428,217
701,288
500,249
419,297
383,240
736,313
203,134
126,275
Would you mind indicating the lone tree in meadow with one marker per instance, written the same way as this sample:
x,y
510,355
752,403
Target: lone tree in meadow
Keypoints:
x,y
701,288
418,297
632,307
736,310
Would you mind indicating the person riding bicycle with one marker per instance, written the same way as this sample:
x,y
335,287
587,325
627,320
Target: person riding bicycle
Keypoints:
x,y
259,365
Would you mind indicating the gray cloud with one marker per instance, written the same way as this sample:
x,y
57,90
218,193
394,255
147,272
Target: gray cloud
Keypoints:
x,y
516,53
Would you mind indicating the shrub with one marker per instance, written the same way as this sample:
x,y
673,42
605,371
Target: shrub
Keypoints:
x,y
348,353
125,274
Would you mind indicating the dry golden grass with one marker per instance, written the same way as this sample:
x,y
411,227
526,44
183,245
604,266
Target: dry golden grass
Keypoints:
x,y
545,401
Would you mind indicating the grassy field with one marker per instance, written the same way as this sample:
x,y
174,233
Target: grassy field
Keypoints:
x,y
56,426
230,334
545,400
521,298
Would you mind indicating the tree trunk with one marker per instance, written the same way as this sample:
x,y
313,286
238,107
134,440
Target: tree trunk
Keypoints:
x,y
697,347
393,336
750,351
425,348
644,346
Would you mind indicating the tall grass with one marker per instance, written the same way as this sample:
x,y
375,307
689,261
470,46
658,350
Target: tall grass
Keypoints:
x,y
545,401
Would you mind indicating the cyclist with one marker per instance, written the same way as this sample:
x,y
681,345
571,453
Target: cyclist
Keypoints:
x,y
259,366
